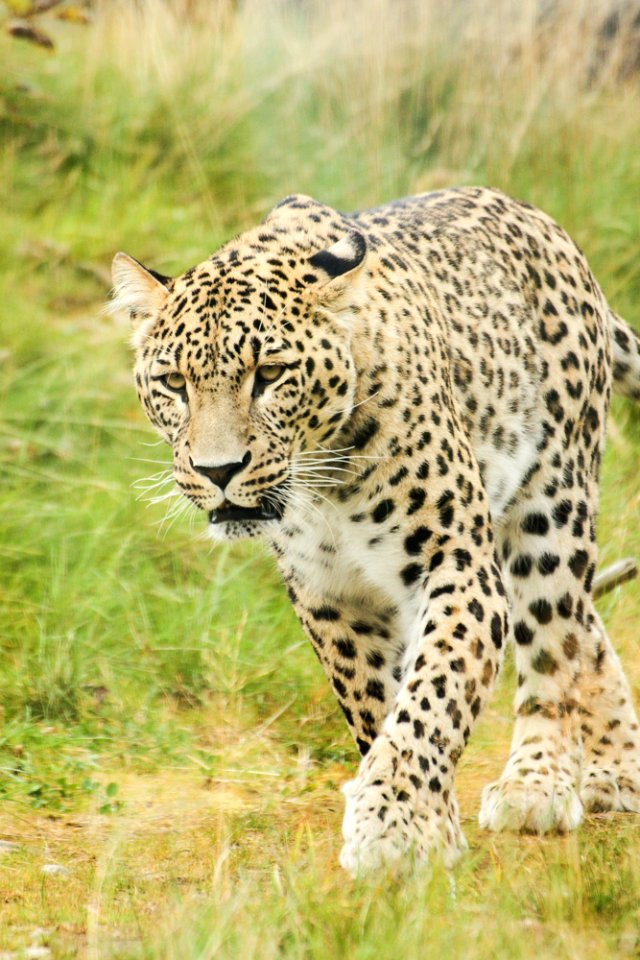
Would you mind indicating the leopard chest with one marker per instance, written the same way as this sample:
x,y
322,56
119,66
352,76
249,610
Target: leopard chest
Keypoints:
x,y
336,556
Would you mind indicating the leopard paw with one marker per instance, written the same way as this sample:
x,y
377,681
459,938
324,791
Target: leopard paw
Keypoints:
x,y
384,824
611,787
516,802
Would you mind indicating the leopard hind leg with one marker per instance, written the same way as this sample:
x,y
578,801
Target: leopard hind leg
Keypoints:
x,y
610,731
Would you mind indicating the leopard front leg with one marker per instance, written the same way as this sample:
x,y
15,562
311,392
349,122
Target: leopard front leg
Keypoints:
x,y
360,652
402,800
610,730
410,702
550,554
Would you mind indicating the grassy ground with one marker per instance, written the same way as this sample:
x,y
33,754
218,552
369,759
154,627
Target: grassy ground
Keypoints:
x,y
170,756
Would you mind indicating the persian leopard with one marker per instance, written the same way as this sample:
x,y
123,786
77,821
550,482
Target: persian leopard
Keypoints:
x,y
408,404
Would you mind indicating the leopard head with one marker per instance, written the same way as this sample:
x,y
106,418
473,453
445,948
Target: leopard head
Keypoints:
x,y
244,366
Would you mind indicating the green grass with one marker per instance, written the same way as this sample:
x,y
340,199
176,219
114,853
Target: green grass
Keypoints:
x,y
166,734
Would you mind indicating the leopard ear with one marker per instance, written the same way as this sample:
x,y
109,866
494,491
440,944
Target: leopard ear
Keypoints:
x,y
136,290
340,267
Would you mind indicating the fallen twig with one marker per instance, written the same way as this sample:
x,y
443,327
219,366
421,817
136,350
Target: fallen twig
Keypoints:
x,y
617,573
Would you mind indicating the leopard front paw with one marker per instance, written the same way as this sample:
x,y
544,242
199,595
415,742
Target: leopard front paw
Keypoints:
x,y
388,820
530,805
611,785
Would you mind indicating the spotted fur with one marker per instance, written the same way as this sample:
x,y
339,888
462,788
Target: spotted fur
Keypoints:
x,y
408,404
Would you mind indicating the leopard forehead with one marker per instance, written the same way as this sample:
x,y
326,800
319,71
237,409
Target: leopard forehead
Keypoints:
x,y
222,311
279,296
256,297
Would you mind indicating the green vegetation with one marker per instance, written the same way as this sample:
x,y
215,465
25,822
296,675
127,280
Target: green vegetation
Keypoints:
x,y
166,735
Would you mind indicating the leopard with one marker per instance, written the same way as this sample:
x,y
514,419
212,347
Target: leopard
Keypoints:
x,y
408,405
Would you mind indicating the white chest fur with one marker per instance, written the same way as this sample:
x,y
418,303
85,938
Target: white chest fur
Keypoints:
x,y
337,557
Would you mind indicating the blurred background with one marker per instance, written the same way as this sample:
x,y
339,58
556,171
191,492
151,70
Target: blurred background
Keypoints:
x,y
145,678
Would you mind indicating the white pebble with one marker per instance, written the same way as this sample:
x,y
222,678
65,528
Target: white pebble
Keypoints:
x,y
54,869
7,846
38,933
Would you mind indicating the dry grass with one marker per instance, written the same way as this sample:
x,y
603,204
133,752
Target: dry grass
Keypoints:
x,y
182,834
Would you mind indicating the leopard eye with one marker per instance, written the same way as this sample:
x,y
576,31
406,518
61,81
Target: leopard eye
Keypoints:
x,y
174,381
268,373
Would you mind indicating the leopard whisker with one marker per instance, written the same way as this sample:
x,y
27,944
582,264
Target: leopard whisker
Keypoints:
x,y
149,484
176,511
319,495
162,476
304,502
322,452
319,468
165,496
360,403
311,477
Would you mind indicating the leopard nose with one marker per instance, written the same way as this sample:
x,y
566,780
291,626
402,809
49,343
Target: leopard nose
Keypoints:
x,y
221,475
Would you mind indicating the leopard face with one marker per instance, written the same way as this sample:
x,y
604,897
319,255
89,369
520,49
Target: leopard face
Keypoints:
x,y
248,379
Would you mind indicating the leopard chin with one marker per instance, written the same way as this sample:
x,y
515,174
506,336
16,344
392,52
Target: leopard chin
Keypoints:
x,y
231,522
230,512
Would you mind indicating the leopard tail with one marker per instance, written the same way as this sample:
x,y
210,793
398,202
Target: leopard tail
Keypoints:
x,y
626,358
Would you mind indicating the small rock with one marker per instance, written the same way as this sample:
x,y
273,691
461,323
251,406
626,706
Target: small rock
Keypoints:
x,y
39,933
8,846
54,869
628,942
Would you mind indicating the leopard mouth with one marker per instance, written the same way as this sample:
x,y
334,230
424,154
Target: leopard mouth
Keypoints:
x,y
231,512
